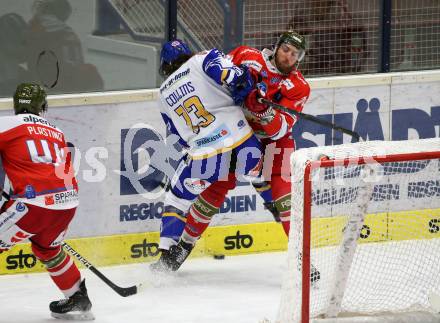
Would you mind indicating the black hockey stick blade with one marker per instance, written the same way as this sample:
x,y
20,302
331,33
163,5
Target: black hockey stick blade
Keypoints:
x,y
123,291
309,117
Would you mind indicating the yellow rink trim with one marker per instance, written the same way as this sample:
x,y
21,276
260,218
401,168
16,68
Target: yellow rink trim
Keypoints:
x,y
142,247
427,225
329,231
234,240
392,226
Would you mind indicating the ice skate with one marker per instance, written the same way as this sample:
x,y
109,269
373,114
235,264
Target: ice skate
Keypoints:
x,y
76,307
171,260
163,264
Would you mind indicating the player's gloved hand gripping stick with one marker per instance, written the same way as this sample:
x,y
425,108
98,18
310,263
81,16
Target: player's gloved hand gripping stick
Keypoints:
x,y
309,117
123,291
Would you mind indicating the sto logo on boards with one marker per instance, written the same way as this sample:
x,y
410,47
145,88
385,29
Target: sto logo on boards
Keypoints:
x,y
144,249
365,232
20,260
238,241
434,225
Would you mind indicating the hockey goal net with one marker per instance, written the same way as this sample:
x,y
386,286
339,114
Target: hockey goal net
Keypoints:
x,y
365,234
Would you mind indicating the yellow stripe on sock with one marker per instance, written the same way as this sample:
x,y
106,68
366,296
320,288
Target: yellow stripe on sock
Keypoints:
x,y
263,188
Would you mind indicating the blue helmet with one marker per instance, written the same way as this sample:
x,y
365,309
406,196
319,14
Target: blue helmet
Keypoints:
x,y
173,54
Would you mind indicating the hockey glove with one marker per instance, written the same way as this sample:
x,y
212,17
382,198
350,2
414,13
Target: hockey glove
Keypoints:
x,y
241,85
253,104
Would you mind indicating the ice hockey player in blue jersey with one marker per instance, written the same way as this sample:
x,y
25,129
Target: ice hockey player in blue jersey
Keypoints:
x,y
200,103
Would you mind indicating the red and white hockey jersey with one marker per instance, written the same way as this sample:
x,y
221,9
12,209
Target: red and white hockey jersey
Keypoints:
x,y
33,154
291,90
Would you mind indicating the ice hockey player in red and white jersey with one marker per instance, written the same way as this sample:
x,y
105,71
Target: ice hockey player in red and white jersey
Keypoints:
x,y
44,198
279,80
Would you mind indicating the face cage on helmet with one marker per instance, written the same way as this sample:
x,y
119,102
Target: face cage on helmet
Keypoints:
x,y
301,54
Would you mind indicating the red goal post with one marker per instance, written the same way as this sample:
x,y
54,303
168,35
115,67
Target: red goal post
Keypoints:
x,y
365,219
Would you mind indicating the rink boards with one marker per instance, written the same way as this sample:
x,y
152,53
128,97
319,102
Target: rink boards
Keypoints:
x,y
143,247
386,226
236,240
117,216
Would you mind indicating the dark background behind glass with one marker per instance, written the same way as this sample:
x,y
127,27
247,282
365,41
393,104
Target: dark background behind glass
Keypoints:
x,y
73,46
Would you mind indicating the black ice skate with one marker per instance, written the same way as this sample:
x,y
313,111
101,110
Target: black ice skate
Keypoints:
x,y
164,263
171,260
76,307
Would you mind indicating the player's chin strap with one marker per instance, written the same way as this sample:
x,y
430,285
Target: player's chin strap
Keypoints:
x,y
309,117
123,291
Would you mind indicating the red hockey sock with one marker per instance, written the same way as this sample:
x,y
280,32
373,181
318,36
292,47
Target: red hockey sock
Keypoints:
x,y
205,207
196,224
285,221
286,227
63,272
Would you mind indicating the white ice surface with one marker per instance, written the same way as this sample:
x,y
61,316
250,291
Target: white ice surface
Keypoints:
x,y
239,289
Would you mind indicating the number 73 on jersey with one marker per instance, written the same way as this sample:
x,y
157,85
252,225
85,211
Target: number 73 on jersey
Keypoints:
x,y
194,114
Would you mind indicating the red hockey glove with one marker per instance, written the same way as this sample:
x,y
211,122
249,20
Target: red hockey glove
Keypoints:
x,y
251,102
255,75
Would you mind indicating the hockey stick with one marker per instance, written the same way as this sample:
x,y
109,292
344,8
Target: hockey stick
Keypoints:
x,y
309,117
123,291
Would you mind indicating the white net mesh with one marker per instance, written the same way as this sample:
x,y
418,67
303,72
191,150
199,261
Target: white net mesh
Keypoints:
x,y
374,235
